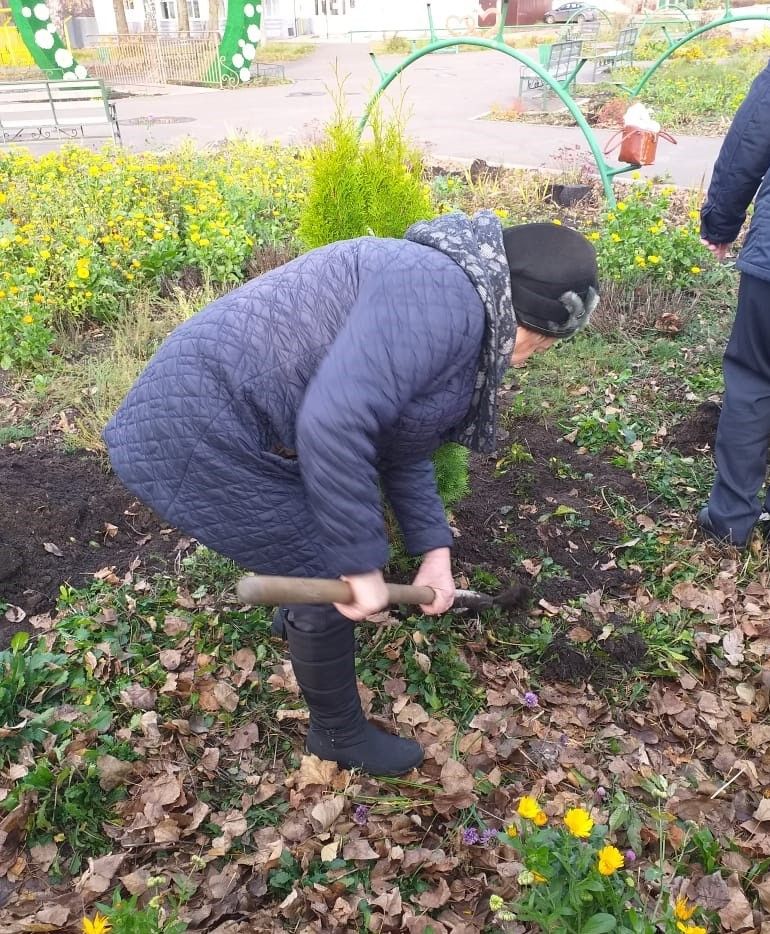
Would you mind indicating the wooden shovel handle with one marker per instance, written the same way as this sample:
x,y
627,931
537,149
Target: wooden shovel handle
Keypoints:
x,y
259,590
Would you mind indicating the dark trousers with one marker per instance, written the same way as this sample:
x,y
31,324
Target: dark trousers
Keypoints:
x,y
744,425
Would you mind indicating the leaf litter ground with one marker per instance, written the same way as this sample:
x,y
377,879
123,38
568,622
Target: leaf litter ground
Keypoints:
x,y
202,750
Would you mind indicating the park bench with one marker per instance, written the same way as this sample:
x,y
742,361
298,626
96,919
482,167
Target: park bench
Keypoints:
x,y
619,53
43,110
564,61
268,70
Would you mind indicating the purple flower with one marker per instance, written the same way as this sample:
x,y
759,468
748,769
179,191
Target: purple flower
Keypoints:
x,y
487,836
630,856
361,814
531,699
470,836
600,794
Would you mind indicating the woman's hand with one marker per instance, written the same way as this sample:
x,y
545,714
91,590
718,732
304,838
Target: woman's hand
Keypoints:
x,y
370,595
718,249
436,572
529,342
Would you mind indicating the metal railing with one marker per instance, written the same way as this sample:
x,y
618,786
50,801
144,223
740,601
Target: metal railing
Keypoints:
x,y
157,59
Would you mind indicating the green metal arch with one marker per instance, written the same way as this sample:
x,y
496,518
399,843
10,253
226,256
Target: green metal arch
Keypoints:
x,y
675,46
237,49
560,88
39,35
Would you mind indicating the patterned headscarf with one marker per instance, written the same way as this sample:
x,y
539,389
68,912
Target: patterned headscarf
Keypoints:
x,y
476,245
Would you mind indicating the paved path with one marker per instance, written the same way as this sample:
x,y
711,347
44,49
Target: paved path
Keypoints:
x,y
443,94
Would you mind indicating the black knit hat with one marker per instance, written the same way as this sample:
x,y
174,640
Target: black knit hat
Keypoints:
x,y
554,278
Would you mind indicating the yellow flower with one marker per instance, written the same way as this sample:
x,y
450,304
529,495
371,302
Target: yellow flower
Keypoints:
x,y
691,928
538,877
695,270
495,902
28,319
610,860
636,174
616,238
683,910
557,222
501,213
83,272
579,822
512,831
45,254
622,206
594,236
37,297
99,925
653,260
528,808
3,198
611,216
694,216
540,819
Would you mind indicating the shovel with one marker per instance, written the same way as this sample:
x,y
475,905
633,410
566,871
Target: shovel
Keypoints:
x,y
257,590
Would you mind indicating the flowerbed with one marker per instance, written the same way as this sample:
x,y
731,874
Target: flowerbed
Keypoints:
x,y
82,234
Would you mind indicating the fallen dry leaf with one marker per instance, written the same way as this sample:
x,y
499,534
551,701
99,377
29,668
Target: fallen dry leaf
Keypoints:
x,y
455,778
359,849
99,875
113,772
53,549
326,812
435,898
137,697
315,771
330,851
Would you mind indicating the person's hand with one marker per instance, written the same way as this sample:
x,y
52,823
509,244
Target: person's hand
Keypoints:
x,y
527,343
719,250
436,572
370,595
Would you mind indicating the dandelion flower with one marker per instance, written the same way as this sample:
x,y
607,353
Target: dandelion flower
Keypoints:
x,y
557,222
610,860
512,831
622,206
99,925
653,260
691,928
683,910
528,808
28,319
695,270
616,238
540,819
579,822
539,878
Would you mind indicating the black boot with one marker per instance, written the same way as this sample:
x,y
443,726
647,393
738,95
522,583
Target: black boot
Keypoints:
x,y
278,627
322,654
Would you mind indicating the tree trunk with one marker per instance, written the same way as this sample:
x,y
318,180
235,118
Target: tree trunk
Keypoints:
x,y
214,16
183,18
121,23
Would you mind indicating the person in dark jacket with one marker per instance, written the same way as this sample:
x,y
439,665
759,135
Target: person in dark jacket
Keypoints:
x,y
740,174
270,425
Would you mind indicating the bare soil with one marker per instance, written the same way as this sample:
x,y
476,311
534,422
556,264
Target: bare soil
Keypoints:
x,y
695,434
64,516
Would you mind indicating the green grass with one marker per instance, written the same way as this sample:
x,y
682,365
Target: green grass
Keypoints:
x,y
9,434
284,51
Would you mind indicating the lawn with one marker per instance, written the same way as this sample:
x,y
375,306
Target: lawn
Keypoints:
x,y
151,744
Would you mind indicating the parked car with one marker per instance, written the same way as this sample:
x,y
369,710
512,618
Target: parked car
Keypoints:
x,y
573,12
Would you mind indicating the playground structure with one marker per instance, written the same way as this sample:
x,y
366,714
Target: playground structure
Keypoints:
x,y
559,87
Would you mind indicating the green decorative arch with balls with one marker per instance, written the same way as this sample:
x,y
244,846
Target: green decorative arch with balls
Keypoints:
x,y
39,35
237,49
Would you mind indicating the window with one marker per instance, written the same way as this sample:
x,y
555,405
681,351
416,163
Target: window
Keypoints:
x,y
168,9
194,9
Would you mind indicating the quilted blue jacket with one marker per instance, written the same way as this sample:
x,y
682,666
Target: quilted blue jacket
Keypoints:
x,y
742,168
267,425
